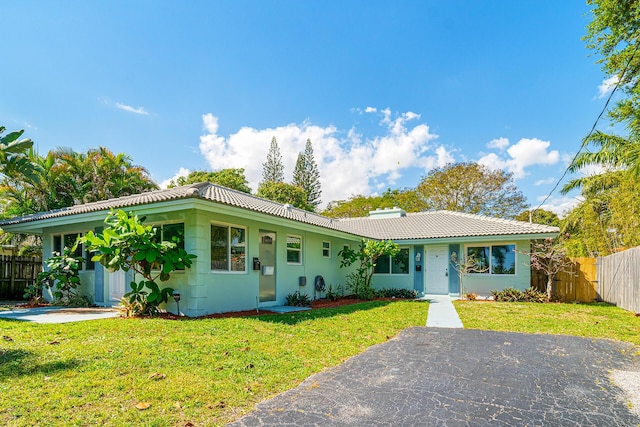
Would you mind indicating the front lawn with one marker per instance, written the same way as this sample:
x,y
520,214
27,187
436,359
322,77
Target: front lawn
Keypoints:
x,y
594,320
204,372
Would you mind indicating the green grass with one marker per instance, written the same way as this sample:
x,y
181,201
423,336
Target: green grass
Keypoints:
x,y
207,372
594,320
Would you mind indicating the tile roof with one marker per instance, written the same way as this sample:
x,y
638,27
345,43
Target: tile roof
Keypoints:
x,y
442,224
423,225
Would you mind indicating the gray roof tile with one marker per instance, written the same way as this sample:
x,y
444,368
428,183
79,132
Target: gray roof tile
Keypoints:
x,y
423,225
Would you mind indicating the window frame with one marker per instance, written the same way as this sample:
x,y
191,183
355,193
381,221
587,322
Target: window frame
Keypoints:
x,y
298,250
87,264
327,248
229,247
391,263
489,271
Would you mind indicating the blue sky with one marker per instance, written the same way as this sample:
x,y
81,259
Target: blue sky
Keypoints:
x,y
386,91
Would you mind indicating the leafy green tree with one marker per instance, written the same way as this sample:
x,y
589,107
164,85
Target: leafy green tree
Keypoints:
x,y
273,169
307,176
63,275
13,158
539,216
607,219
365,258
128,244
282,192
472,188
359,206
614,34
230,178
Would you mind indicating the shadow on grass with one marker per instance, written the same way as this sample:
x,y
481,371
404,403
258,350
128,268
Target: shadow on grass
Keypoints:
x,y
320,313
17,363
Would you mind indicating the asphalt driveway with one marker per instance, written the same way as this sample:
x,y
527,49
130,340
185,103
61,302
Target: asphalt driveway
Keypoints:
x,y
460,377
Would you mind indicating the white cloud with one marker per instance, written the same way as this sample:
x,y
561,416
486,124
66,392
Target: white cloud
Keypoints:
x,y
181,172
525,153
559,205
499,143
131,109
349,163
370,110
607,86
545,181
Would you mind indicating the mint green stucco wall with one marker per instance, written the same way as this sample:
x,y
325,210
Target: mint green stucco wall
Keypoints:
x,y
205,291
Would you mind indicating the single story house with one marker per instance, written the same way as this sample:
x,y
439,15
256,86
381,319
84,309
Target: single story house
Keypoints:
x,y
253,252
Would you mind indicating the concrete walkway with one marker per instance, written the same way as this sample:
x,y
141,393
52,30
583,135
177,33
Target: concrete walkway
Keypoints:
x,y
442,313
59,314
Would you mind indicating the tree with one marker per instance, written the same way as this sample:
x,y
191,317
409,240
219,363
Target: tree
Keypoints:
x,y
614,34
359,206
307,176
99,175
472,188
608,217
550,257
128,244
282,192
366,257
539,216
13,158
273,169
230,178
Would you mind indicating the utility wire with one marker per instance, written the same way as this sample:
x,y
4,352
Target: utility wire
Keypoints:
x,y
593,128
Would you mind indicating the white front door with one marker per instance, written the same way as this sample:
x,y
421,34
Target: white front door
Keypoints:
x,y
117,284
437,269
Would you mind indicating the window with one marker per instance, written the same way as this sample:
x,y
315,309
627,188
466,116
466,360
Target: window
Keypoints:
x,y
61,241
171,233
496,259
228,248
398,264
326,249
294,249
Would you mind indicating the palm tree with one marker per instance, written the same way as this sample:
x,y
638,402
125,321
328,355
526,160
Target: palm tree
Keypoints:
x,y
614,153
12,154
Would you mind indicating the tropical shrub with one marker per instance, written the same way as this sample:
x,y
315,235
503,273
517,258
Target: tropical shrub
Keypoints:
x,y
515,295
298,299
128,244
62,275
397,293
365,257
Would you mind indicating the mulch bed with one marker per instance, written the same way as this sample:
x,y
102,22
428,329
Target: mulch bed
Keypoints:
x,y
321,303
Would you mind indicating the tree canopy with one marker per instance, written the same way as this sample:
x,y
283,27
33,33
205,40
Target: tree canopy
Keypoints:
x,y
307,176
472,188
230,178
358,206
272,168
282,192
614,33
65,178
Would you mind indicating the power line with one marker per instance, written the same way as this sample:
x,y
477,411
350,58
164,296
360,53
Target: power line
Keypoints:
x,y
593,128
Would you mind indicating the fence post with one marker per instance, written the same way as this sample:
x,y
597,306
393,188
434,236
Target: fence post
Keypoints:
x,y
12,283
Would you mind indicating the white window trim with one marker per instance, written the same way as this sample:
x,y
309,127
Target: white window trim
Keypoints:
x,y
328,249
490,245
390,266
83,248
246,239
294,249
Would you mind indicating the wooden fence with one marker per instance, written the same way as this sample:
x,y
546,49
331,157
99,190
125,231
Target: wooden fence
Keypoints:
x,y
16,273
577,284
619,279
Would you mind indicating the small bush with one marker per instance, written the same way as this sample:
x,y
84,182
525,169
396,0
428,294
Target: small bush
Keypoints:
x,y
298,299
515,295
333,294
471,296
396,293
